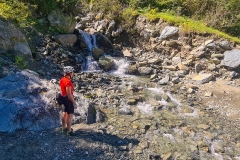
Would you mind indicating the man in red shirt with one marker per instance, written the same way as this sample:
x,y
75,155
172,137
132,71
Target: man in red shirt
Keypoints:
x,y
68,100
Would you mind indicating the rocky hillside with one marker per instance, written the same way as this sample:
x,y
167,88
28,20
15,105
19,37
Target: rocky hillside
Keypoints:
x,y
178,97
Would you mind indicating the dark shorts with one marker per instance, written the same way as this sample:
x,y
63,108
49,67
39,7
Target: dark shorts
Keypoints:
x,y
68,106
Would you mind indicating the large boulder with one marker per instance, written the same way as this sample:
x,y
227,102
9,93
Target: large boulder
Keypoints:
x,y
103,42
62,21
97,52
11,38
26,102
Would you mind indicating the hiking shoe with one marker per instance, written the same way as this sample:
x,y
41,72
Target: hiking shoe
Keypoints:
x,y
70,133
64,130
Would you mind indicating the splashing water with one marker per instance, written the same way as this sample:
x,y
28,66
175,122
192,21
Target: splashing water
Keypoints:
x,y
169,136
145,108
121,66
91,65
156,90
193,114
174,99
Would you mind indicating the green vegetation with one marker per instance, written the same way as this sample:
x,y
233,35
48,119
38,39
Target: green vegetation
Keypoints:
x,y
11,56
220,17
20,62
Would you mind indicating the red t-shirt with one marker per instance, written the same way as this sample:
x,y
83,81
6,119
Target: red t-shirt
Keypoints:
x,y
66,82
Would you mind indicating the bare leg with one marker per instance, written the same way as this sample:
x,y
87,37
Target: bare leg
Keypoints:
x,y
64,120
69,122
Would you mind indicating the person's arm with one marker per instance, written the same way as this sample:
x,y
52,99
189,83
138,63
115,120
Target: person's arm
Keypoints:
x,y
70,96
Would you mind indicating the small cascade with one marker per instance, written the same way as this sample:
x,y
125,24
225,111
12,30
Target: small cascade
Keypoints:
x,y
89,39
91,65
121,65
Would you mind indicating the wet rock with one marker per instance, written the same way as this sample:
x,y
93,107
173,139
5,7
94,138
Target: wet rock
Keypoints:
x,y
105,62
97,52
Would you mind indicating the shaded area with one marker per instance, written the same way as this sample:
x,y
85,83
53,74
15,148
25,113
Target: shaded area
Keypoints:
x,y
27,102
53,144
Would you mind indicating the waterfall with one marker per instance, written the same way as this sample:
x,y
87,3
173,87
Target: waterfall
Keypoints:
x,y
89,39
91,65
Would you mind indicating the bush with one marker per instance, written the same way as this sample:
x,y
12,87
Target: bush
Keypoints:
x,y
20,62
14,10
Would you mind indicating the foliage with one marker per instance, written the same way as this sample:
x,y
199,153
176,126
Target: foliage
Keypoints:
x,y
14,10
222,14
128,17
20,62
46,6
188,25
111,8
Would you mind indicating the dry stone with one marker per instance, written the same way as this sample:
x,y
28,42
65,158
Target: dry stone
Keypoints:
x,y
203,78
12,38
231,59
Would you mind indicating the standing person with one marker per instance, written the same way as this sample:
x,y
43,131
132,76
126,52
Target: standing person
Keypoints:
x,y
68,100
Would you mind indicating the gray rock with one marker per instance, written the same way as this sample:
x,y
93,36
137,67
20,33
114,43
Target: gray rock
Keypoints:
x,y
26,102
199,52
66,39
165,80
168,31
225,45
145,35
203,78
97,52
105,62
231,59
111,26
62,20
13,39
145,70
103,42
125,111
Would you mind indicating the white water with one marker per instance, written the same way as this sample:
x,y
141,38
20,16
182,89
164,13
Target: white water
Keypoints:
x,y
145,108
169,136
163,102
121,65
89,39
91,65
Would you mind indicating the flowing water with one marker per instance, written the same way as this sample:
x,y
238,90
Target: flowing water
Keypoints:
x,y
171,127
